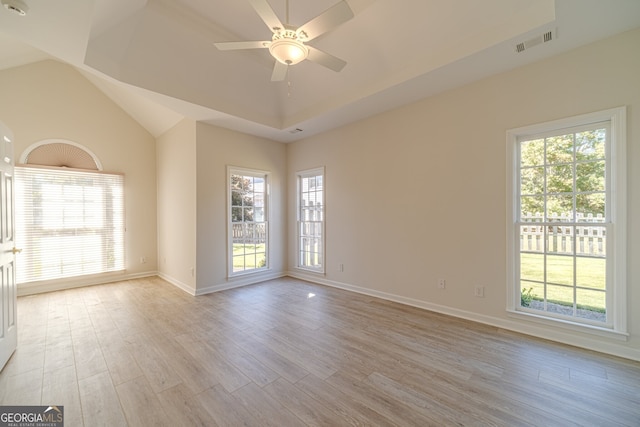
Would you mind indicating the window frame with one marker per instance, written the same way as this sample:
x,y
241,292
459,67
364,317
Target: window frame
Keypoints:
x,y
616,221
319,171
256,173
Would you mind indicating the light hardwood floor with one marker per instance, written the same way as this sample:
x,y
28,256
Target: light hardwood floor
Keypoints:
x,y
143,352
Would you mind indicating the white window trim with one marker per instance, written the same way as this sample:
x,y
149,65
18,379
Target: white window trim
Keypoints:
x,y
304,174
258,173
618,217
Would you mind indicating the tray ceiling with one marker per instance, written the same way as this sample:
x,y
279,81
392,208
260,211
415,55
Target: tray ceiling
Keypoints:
x,y
158,55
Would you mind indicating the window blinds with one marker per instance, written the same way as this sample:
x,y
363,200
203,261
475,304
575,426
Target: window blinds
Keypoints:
x,y
68,223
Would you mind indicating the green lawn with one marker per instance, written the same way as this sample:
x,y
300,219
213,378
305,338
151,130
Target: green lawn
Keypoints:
x,y
590,274
248,256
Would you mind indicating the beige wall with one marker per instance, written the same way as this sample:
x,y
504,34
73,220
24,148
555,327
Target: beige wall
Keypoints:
x,y
48,100
216,149
418,193
176,163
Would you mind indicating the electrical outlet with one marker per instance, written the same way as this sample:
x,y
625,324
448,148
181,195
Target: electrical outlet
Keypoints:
x,y
479,291
442,283
341,268
143,260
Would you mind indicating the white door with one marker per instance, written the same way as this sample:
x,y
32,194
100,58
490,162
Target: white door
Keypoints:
x,y
8,290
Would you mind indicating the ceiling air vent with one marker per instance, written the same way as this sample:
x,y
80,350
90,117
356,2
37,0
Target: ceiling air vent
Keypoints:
x,y
542,38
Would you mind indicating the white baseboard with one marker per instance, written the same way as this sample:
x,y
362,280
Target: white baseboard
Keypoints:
x,y
177,283
237,282
552,333
62,284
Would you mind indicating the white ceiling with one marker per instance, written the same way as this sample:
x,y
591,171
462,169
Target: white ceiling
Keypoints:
x,y
156,58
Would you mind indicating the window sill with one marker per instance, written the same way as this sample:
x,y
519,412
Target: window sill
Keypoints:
x,y
568,325
311,271
255,271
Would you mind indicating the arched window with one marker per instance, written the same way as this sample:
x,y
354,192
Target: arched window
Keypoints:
x,y
61,154
69,214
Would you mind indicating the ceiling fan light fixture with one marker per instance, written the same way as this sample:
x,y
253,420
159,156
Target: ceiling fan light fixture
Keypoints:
x,y
288,51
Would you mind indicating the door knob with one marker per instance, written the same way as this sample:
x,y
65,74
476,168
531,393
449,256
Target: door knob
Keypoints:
x,y
16,250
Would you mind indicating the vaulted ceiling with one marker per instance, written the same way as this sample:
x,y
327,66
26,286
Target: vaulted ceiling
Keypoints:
x,y
157,60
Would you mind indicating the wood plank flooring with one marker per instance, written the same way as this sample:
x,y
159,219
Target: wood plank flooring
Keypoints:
x,y
290,353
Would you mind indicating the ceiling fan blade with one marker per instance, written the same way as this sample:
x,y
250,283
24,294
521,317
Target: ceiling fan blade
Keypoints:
x,y
242,45
327,20
267,14
325,59
279,72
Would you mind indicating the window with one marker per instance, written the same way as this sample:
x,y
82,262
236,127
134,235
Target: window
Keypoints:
x,y
311,220
567,219
248,218
69,223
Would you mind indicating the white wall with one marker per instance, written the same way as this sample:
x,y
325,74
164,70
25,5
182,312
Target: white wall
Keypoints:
x,y
48,100
176,165
418,193
216,149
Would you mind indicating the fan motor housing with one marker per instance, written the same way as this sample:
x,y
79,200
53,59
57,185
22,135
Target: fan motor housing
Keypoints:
x,y
287,48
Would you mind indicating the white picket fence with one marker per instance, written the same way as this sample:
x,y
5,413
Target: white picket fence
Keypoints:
x,y
589,235
255,233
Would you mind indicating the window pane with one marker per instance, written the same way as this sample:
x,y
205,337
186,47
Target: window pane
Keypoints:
x,y
560,239
531,208
532,238
532,267
591,207
560,269
591,240
591,304
560,179
261,259
560,208
590,176
591,272
236,214
532,181
561,297
238,263
532,153
590,145
247,214
560,149
532,295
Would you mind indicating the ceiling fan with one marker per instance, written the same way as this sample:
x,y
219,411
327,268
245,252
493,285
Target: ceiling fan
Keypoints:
x,y
287,44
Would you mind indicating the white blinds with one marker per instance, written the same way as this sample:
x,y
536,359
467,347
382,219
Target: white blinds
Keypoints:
x,y
68,223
